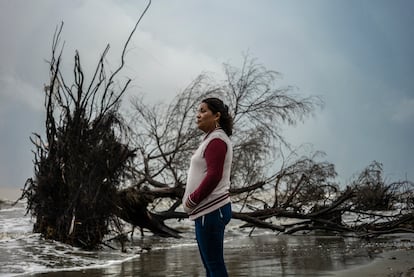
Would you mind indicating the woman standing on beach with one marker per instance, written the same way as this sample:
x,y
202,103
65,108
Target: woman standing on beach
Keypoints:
x,y
206,198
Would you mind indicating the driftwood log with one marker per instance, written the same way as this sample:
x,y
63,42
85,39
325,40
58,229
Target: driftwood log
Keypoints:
x,y
327,218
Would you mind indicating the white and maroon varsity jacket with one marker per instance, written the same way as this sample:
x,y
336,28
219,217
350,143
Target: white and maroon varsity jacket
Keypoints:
x,y
207,189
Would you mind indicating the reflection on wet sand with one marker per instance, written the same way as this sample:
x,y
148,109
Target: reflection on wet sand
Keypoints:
x,y
264,255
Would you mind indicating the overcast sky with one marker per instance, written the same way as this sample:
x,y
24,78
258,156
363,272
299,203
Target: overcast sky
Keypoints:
x,y
357,55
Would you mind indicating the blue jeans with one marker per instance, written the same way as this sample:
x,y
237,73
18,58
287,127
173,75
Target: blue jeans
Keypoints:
x,y
209,231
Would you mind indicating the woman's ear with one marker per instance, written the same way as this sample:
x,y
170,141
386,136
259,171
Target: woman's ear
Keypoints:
x,y
218,115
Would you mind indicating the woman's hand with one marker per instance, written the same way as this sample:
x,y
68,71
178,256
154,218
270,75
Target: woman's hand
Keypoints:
x,y
189,205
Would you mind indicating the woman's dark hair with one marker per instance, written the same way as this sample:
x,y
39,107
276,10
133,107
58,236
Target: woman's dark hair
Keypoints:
x,y
226,121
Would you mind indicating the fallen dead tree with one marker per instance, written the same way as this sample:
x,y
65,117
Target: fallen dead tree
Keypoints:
x,y
327,218
81,162
341,214
303,191
132,207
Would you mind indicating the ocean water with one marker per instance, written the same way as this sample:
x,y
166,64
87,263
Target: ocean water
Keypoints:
x,y
23,253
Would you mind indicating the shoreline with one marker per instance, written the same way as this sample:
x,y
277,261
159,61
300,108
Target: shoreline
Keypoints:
x,y
264,255
388,264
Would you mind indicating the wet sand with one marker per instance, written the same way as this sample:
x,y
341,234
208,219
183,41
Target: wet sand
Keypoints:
x,y
267,255
393,263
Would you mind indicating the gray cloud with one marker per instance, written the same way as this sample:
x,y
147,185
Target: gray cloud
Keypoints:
x,y
356,55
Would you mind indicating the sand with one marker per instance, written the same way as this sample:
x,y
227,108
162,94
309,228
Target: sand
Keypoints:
x,y
393,263
262,256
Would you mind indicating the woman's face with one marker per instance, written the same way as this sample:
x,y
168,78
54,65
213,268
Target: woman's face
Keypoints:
x,y
206,120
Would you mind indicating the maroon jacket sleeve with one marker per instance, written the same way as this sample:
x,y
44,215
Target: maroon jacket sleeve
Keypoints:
x,y
215,155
